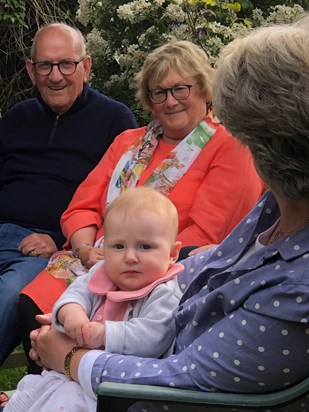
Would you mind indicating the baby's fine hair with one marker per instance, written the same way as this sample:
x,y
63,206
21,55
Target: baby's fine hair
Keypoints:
x,y
145,200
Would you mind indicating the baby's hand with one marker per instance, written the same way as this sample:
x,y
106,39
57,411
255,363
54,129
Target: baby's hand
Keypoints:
x,y
76,325
96,336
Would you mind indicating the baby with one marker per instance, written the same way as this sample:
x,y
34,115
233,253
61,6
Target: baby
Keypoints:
x,y
124,304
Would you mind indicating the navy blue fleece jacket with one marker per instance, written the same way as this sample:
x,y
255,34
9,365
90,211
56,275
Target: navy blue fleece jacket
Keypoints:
x,y
44,157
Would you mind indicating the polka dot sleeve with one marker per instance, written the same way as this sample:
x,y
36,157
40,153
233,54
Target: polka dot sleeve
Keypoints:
x,y
237,354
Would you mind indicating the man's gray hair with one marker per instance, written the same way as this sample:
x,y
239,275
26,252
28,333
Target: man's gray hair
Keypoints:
x,y
81,44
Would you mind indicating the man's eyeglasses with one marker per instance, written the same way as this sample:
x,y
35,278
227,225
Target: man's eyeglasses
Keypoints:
x,y
65,67
180,92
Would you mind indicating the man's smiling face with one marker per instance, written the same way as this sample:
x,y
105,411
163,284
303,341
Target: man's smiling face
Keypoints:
x,y
55,45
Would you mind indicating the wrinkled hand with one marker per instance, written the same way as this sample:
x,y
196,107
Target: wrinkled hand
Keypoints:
x,y
89,256
49,346
38,245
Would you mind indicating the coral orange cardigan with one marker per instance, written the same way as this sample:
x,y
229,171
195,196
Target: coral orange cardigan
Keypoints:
x,y
218,190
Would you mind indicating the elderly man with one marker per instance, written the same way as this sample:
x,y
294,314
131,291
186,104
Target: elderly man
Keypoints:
x,y
49,144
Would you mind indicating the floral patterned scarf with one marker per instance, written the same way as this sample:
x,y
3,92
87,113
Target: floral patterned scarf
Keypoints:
x,y
127,173
135,160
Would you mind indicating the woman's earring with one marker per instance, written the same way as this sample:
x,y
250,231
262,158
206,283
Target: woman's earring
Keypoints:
x,y
208,107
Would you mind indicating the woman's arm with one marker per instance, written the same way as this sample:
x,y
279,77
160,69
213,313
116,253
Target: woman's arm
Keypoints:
x,y
256,357
228,188
246,351
88,203
83,237
82,242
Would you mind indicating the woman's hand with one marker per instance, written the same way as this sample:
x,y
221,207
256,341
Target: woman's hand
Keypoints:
x,y
89,255
43,320
49,346
82,241
201,249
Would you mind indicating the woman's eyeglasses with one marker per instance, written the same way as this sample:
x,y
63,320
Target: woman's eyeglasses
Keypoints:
x,y
180,92
65,67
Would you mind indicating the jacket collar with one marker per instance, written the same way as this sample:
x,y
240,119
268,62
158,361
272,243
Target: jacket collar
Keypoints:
x,y
101,284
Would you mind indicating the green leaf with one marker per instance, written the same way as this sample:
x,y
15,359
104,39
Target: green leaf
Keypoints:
x,y
232,6
247,22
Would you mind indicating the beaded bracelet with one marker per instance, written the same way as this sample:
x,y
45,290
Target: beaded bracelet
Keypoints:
x,y
77,250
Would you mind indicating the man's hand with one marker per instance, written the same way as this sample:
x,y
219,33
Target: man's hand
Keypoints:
x,y
38,245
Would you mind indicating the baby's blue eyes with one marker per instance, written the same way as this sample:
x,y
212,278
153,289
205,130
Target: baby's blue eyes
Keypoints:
x,y
120,246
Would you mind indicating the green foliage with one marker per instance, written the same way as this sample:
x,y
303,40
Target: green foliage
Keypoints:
x,y
13,12
19,20
9,378
265,4
122,33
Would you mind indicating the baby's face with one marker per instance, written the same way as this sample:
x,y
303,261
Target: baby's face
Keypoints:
x,y
137,249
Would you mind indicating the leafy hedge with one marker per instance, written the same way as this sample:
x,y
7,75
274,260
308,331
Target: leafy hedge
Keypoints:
x,y
121,33
19,20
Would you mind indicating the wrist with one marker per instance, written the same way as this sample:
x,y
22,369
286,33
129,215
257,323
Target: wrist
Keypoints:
x,y
76,251
67,361
74,362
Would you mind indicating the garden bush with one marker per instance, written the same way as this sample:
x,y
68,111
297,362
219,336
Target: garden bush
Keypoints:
x,y
19,20
121,33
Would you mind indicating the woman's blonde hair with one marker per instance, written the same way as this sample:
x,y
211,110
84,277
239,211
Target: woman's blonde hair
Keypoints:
x,y
185,58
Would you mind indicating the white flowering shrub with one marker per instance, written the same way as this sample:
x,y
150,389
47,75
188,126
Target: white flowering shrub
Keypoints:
x,y
122,33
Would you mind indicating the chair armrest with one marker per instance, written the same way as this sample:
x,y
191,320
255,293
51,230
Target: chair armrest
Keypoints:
x,y
162,393
127,394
